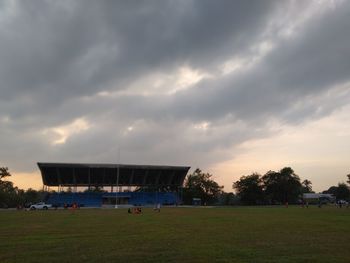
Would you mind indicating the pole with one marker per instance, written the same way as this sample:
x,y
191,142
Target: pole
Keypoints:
x,y
116,193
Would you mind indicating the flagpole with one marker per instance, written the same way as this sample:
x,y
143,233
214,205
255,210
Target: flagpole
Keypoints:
x,y
116,193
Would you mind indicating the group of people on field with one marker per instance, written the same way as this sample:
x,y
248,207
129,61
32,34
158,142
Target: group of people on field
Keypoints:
x,y
135,210
138,210
74,206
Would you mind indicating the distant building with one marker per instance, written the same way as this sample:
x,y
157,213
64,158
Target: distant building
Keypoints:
x,y
324,198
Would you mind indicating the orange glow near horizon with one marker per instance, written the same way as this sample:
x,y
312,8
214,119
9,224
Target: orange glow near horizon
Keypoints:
x,y
317,151
27,180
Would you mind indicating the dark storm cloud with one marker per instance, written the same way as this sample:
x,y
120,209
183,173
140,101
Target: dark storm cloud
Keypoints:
x,y
55,51
55,58
315,61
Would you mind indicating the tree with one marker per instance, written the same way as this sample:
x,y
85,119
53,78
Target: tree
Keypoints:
x,y
331,190
32,196
249,189
11,196
348,181
227,198
306,186
283,186
342,191
4,172
201,185
7,191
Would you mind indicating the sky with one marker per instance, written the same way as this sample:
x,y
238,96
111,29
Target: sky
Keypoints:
x,y
232,87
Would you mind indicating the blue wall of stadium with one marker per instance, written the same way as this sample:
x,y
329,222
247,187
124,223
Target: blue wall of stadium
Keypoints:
x,y
89,199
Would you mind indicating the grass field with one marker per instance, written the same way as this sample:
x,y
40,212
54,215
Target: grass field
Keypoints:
x,y
241,234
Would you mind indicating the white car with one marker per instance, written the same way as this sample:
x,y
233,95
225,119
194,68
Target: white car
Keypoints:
x,y
40,205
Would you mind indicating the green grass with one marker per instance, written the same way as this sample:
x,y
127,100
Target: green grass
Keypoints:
x,y
244,234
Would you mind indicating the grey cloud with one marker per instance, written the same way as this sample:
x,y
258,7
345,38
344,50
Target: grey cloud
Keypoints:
x,y
53,52
317,60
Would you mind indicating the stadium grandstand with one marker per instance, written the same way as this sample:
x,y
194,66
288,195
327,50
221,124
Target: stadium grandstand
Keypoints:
x,y
105,185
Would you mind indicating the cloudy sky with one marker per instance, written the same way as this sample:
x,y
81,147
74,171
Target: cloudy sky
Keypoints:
x,y
232,87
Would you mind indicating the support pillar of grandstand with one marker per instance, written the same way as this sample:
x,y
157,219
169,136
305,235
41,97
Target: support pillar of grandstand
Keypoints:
x,y
74,182
158,177
58,179
180,193
89,179
131,179
171,178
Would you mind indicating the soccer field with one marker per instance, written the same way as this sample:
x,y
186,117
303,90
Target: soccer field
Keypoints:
x,y
239,234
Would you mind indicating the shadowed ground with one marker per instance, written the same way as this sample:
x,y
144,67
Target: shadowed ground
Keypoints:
x,y
244,234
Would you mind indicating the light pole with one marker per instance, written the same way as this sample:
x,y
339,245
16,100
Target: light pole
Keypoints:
x,y
116,193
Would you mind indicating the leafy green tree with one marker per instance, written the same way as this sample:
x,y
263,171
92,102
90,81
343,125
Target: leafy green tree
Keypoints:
x,y
249,189
342,192
32,196
201,185
283,186
227,198
306,186
11,196
4,172
331,190
7,191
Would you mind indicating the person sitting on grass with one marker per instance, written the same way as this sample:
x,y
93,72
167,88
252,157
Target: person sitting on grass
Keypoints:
x,y
157,207
137,210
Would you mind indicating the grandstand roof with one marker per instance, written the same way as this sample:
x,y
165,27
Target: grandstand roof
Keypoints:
x,y
87,174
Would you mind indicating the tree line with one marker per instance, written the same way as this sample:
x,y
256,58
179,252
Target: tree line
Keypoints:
x,y
281,187
12,196
273,187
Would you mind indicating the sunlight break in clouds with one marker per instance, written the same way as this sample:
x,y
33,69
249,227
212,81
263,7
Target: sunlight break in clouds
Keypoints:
x,y
186,77
63,132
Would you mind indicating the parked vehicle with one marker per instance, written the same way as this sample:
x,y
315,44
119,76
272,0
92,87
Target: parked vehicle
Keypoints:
x,y
41,206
